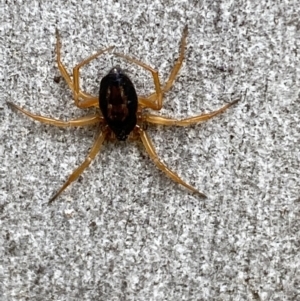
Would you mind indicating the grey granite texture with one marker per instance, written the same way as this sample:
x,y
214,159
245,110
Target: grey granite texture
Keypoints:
x,y
125,231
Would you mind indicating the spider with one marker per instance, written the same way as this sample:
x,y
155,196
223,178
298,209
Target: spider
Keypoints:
x,y
121,111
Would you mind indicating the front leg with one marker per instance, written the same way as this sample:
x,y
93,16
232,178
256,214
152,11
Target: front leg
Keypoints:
x,y
81,98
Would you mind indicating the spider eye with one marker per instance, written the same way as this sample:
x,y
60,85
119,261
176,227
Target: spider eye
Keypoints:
x,y
115,71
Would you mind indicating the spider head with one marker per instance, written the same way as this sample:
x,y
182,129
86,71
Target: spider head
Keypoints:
x,y
116,73
118,102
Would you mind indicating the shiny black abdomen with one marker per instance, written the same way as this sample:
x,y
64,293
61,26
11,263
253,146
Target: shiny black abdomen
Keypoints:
x,y
118,102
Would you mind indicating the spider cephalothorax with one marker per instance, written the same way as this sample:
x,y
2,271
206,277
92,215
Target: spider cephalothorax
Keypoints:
x,y
121,108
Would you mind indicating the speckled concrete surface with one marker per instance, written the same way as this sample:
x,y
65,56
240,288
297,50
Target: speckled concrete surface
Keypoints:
x,y
124,231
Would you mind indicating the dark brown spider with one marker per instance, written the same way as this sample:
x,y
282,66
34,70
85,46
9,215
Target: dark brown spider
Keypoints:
x,y
122,111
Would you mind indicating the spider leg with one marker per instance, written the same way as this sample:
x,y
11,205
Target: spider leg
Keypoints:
x,y
79,170
156,103
81,121
91,100
154,119
153,155
168,85
88,99
154,100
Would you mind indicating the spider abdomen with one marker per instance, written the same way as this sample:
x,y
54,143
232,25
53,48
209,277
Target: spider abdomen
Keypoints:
x,y
118,102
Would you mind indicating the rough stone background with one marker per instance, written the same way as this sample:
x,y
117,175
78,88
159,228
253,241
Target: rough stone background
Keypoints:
x,y
125,231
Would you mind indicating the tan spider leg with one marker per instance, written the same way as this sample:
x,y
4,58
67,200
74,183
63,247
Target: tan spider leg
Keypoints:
x,y
91,100
156,103
81,121
153,155
154,119
78,171
175,68
61,67
88,99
